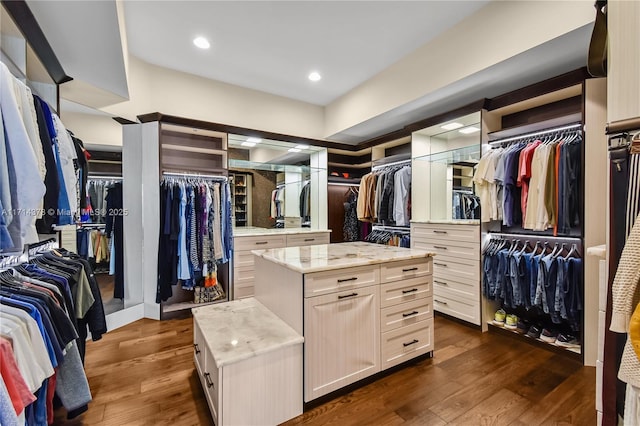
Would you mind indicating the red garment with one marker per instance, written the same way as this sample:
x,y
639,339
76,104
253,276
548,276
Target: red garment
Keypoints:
x,y
524,174
18,390
51,390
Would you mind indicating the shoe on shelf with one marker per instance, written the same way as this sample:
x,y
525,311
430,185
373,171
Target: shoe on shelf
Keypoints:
x,y
511,322
522,327
567,341
534,331
499,318
548,335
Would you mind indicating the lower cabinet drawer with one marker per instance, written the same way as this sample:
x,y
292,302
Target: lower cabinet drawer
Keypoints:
x,y
307,239
460,288
403,344
449,303
405,291
259,242
211,384
405,314
198,346
243,258
242,291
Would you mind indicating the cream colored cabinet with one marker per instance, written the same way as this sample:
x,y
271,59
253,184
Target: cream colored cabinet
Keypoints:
x,y
243,263
456,267
262,385
342,339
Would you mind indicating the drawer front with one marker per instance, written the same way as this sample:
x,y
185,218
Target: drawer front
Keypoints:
x,y
317,283
243,276
456,269
198,346
460,250
406,343
405,291
405,269
242,292
462,233
211,384
307,239
243,258
259,243
459,289
449,303
405,314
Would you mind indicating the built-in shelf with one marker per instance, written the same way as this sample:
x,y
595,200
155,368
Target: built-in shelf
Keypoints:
x,y
572,352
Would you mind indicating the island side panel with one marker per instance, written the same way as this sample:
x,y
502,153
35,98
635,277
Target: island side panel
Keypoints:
x,y
281,290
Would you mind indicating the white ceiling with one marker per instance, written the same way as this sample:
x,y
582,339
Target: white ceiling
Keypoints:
x,y
272,46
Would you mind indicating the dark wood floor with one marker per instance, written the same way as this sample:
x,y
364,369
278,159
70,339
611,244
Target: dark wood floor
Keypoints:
x,y
143,374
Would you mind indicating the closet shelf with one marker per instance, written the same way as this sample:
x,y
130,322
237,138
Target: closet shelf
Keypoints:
x,y
194,149
571,352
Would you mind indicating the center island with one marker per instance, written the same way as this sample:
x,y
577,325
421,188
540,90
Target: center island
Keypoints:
x,y
361,307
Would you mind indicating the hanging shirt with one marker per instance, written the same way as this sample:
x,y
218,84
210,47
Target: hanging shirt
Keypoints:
x,y
402,191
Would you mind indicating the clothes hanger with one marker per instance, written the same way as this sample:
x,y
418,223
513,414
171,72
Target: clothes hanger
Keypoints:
x,y
562,248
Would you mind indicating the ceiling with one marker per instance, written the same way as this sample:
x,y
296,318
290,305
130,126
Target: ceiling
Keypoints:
x,y
272,46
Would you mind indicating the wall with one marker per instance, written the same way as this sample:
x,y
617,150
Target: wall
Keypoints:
x,y
94,129
474,44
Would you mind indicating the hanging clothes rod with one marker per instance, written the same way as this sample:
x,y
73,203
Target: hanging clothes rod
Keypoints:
x,y
540,133
194,175
104,177
343,184
395,163
390,228
536,237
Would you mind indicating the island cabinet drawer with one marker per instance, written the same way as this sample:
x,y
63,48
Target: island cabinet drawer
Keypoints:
x,y
405,291
430,231
210,379
198,347
405,269
259,243
405,343
404,314
317,283
307,239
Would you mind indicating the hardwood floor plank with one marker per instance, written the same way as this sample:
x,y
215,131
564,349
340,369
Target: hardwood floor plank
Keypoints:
x,y
143,374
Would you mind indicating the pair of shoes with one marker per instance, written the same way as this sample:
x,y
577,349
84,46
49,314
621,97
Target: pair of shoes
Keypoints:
x,y
548,335
499,317
567,341
534,332
522,327
511,322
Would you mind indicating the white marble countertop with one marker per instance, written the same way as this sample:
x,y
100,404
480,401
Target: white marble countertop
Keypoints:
x,y
326,257
255,231
450,221
241,329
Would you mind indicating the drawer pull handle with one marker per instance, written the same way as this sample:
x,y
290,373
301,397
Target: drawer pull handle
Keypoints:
x,y
196,348
409,291
439,232
259,243
440,282
410,269
440,264
347,295
343,280
410,313
438,301
309,239
207,378
440,247
413,342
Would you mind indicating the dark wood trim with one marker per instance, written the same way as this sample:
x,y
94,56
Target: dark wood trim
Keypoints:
x,y
427,122
217,127
348,159
123,121
24,19
544,112
563,81
115,156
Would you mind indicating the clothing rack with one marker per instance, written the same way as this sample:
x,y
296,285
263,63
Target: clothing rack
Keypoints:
x,y
92,225
343,184
536,237
500,142
90,177
390,228
394,163
195,176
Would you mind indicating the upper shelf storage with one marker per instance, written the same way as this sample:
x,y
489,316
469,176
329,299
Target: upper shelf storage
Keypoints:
x,y
187,149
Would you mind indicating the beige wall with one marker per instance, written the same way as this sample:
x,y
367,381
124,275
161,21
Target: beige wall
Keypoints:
x,y
94,129
498,31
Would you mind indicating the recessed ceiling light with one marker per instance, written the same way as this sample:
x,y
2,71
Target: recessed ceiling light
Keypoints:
x,y
294,150
302,146
470,129
247,143
201,42
451,126
254,140
315,76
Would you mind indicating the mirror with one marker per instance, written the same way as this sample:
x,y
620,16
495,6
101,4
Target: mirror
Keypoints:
x,y
444,159
273,183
